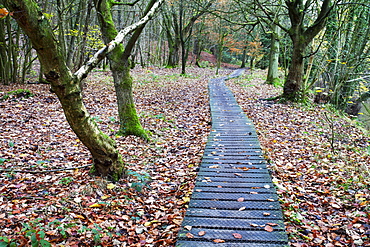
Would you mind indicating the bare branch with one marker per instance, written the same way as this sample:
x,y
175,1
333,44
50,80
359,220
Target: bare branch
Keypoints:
x,y
101,54
129,4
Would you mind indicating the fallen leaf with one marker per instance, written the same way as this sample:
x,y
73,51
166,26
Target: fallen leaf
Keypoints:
x,y
242,208
111,186
214,166
219,241
241,199
188,228
201,233
269,228
237,235
189,235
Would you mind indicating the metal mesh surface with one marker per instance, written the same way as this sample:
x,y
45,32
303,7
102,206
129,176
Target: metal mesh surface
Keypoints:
x,y
233,194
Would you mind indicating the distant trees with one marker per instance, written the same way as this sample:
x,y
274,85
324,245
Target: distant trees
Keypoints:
x,y
179,18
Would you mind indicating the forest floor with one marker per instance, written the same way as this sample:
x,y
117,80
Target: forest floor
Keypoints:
x,y
319,162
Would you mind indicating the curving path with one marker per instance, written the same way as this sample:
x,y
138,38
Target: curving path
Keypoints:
x,y
234,202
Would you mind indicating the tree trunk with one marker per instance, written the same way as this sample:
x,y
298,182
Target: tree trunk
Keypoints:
x,y
294,81
120,67
129,121
244,57
173,53
107,160
272,74
301,37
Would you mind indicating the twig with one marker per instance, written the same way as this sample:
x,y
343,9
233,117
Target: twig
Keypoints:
x,y
46,171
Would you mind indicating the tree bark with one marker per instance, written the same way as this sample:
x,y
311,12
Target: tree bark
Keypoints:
x,y
107,160
301,37
120,67
272,74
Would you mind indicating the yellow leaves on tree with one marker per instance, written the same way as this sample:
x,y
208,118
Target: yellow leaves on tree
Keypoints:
x,y
255,48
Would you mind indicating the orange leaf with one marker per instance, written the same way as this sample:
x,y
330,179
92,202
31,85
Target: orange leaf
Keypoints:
x,y
237,235
189,235
3,12
219,241
201,233
269,228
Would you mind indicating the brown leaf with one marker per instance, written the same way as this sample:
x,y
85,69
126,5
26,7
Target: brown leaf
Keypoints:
x,y
219,241
237,235
189,235
269,228
201,233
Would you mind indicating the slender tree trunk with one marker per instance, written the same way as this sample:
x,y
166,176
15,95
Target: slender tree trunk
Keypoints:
x,y
272,74
4,57
107,160
244,57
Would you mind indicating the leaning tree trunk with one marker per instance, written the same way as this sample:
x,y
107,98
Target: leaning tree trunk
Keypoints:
x,y
107,160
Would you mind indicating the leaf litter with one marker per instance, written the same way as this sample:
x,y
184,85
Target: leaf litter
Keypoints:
x,y
320,165
322,178
74,209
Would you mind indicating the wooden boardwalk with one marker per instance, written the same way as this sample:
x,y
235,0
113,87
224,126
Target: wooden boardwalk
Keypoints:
x,y
234,202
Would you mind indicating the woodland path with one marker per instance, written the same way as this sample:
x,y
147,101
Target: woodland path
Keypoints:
x,y
234,202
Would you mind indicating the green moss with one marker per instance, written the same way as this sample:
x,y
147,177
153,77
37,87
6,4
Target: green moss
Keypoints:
x,y
18,94
130,124
92,170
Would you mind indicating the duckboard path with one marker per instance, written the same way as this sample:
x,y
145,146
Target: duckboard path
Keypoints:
x,y
234,202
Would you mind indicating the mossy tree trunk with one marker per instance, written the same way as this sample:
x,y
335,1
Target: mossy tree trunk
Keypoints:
x,y
273,70
301,37
119,60
107,160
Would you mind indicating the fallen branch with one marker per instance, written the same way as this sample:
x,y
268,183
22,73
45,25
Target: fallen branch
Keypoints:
x,y
45,171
